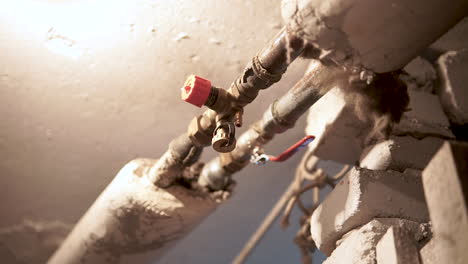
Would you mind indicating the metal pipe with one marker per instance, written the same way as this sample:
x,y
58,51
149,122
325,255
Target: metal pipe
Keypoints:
x,y
181,153
264,70
142,213
281,52
135,216
133,221
281,116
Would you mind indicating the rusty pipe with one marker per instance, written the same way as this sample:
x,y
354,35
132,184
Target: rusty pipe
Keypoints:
x,y
264,70
280,116
157,216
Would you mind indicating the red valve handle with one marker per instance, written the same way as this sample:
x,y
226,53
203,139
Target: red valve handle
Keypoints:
x,y
196,90
293,149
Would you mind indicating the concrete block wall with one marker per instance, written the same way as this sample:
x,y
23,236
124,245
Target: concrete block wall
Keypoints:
x,y
445,182
405,201
64,93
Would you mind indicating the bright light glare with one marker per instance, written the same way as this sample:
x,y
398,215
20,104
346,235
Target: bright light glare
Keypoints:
x,y
68,27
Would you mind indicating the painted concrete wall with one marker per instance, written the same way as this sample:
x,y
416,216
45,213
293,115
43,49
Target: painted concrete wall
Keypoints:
x,y
86,87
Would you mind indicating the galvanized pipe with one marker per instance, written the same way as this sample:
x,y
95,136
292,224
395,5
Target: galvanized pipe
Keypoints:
x,y
281,116
264,70
141,214
134,216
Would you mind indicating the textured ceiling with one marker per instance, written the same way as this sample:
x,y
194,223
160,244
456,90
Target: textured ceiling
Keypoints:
x,y
86,87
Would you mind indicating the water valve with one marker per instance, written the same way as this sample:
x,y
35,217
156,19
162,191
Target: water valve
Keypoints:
x,y
196,90
260,158
199,91
224,137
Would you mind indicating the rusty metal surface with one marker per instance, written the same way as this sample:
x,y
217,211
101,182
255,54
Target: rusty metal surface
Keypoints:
x,y
281,116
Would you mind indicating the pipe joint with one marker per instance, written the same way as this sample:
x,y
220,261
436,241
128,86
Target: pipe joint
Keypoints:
x,y
281,124
198,131
231,164
224,136
262,73
213,176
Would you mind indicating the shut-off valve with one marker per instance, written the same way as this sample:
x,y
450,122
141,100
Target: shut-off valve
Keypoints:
x,y
259,157
199,91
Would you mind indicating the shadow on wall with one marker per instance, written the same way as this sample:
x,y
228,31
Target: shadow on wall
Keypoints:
x,y
31,242
87,86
